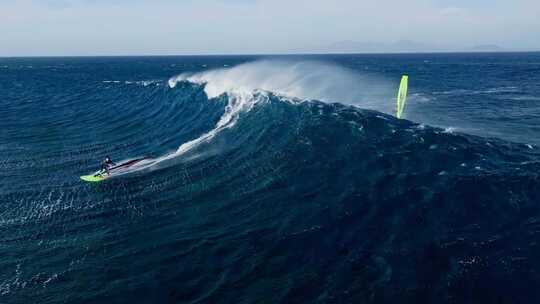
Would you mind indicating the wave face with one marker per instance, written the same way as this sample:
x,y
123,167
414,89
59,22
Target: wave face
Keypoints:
x,y
282,180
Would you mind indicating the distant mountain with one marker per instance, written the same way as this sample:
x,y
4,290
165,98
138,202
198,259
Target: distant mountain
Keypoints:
x,y
402,46
486,48
349,46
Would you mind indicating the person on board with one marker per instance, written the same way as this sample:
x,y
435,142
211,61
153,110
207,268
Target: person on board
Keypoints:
x,y
107,164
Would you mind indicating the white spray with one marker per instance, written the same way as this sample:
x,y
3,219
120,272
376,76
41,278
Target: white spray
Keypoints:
x,y
248,84
298,79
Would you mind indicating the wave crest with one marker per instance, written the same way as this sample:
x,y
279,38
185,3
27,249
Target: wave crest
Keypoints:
x,y
297,79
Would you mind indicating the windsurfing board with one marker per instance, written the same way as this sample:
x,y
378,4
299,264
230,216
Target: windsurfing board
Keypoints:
x,y
94,178
101,176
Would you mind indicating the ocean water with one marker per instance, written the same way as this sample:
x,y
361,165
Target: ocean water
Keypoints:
x,y
271,179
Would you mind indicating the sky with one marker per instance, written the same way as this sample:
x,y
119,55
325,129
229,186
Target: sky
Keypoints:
x,y
170,27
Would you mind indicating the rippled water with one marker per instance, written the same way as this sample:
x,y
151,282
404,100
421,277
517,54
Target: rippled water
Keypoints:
x,y
278,179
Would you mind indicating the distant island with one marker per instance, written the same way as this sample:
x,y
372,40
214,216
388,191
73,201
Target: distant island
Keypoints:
x,y
402,46
486,48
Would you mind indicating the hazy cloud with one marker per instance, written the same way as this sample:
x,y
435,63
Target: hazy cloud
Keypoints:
x,y
99,27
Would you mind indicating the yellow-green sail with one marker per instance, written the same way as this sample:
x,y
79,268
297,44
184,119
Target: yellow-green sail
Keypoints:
x,y
402,96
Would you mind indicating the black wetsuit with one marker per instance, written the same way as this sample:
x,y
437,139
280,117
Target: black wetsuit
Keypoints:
x,y
106,164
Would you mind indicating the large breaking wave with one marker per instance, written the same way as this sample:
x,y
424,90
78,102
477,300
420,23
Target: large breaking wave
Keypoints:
x,y
248,84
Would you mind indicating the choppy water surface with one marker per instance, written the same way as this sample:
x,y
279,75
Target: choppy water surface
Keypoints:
x,y
271,179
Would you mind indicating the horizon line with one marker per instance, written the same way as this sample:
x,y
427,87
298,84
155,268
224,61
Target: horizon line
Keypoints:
x,y
278,54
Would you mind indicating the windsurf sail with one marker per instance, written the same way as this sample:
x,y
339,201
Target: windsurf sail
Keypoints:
x,y
402,96
128,163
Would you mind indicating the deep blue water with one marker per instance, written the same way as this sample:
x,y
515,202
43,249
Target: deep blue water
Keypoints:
x,y
279,179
